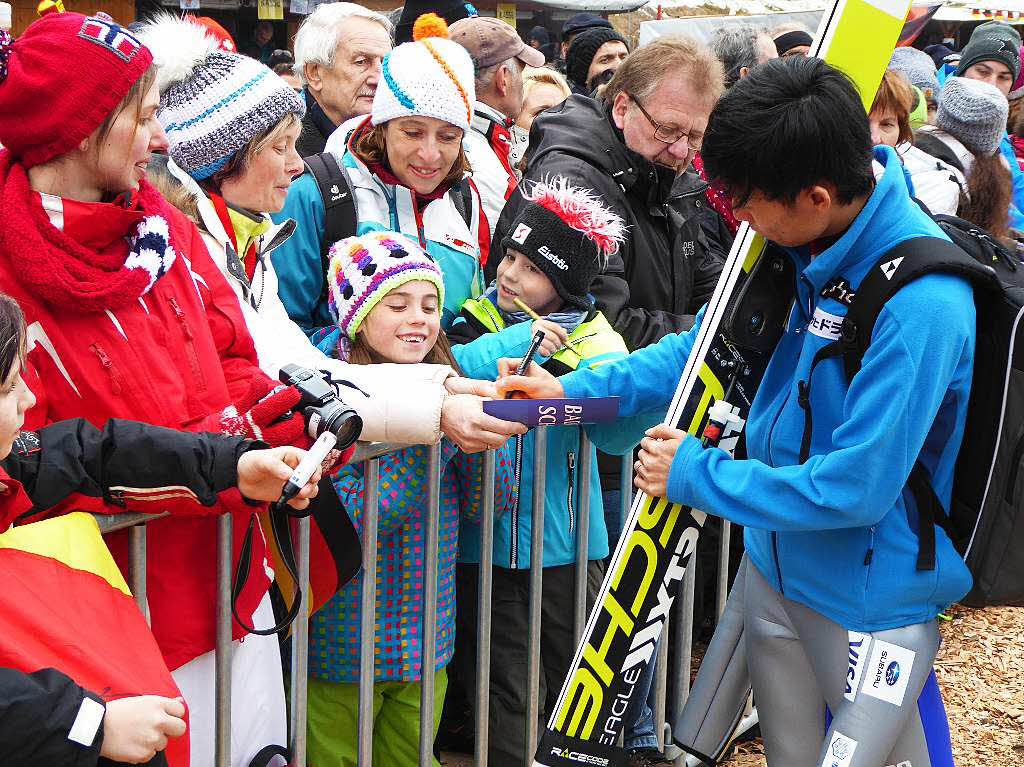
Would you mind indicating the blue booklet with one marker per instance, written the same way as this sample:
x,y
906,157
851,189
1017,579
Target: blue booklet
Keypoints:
x,y
554,412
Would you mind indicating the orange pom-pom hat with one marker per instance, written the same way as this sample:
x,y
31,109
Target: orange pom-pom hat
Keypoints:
x,y
430,77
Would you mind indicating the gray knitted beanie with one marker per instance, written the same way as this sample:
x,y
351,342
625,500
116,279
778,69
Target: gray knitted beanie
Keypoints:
x,y
918,67
973,111
212,103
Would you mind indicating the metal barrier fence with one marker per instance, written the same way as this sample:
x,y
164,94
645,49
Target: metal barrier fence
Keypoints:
x,y
682,617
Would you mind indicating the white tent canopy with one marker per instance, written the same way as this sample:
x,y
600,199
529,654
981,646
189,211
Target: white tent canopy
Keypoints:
x,y
701,27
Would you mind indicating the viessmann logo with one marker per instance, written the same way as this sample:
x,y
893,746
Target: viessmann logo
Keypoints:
x,y
577,756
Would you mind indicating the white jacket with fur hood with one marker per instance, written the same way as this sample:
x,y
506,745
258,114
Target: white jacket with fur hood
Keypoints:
x,y
398,403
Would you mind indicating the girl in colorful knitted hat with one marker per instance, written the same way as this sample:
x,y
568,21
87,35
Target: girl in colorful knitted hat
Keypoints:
x,y
555,249
386,295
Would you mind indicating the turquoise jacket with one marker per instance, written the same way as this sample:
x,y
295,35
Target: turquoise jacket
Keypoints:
x,y
562,488
438,227
838,533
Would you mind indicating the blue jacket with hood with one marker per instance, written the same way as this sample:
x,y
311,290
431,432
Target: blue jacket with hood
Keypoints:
x,y
838,533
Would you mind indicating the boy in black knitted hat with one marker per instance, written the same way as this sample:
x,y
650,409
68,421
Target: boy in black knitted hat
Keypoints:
x,y
555,249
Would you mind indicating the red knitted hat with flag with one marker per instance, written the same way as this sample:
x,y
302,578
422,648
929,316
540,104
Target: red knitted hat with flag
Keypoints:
x,y
61,79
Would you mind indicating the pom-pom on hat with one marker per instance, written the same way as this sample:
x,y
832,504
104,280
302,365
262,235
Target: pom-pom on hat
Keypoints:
x,y
973,111
429,77
568,233
366,268
212,103
449,10
46,110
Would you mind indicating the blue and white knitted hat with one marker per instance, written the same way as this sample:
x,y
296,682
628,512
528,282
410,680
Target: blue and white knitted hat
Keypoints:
x,y
429,77
212,103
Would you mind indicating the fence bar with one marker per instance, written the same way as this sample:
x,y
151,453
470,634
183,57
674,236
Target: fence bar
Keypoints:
x,y
483,626
723,568
367,607
540,445
429,653
137,545
222,658
582,536
626,484
661,684
300,649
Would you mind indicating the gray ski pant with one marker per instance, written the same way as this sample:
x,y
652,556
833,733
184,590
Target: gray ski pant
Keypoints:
x,y
825,695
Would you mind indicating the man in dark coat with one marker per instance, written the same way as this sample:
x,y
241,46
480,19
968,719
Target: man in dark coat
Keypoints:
x,y
633,149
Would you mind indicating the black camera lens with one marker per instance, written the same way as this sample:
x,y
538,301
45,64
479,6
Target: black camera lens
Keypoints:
x,y
343,422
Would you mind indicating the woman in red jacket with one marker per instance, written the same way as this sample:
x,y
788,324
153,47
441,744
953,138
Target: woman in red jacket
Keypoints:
x,y
129,318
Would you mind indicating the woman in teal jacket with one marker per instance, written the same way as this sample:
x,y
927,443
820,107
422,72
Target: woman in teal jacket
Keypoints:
x,y
406,169
831,542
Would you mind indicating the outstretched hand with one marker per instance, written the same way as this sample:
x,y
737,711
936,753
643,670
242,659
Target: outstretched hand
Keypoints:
x,y
537,383
262,474
657,451
465,423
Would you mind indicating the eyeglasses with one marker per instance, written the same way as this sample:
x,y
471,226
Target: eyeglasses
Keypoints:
x,y
666,134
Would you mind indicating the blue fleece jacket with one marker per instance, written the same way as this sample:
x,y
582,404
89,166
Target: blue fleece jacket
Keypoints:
x,y
838,533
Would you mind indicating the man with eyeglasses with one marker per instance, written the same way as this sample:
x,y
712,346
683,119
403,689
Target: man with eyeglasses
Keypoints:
x,y
633,149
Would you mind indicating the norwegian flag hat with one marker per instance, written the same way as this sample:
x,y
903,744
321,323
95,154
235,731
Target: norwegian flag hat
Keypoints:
x,y
61,79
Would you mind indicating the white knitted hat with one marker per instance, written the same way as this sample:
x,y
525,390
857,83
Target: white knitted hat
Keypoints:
x,y
973,111
212,103
429,77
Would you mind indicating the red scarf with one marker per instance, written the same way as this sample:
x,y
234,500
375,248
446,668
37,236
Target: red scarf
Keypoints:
x,y
61,271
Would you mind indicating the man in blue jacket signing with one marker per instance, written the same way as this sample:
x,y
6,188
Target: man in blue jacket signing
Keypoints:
x,y
831,542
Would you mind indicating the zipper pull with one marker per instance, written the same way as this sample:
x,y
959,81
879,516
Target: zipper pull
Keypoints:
x,y
868,556
108,365
181,319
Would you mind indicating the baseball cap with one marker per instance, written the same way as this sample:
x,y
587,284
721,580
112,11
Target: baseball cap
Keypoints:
x,y
490,41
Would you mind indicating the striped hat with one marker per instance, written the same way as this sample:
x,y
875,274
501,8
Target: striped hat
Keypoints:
x,y
430,77
364,269
212,103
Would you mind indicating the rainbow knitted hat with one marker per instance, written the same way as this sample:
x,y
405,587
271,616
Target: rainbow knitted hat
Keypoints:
x,y
366,268
429,77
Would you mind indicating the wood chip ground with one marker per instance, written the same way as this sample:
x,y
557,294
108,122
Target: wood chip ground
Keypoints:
x,y
979,671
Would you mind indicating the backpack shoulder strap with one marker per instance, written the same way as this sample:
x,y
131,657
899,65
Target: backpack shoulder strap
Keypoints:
x,y
902,264
340,218
897,267
462,198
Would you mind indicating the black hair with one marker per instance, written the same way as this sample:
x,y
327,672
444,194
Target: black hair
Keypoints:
x,y
12,335
790,124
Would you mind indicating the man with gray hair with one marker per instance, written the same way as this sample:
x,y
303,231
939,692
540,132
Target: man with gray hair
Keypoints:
x,y
740,48
338,50
499,56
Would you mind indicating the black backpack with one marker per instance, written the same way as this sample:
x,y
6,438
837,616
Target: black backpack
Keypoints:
x,y
983,522
340,215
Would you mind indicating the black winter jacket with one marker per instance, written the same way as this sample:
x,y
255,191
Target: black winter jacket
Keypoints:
x,y
664,272
73,457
